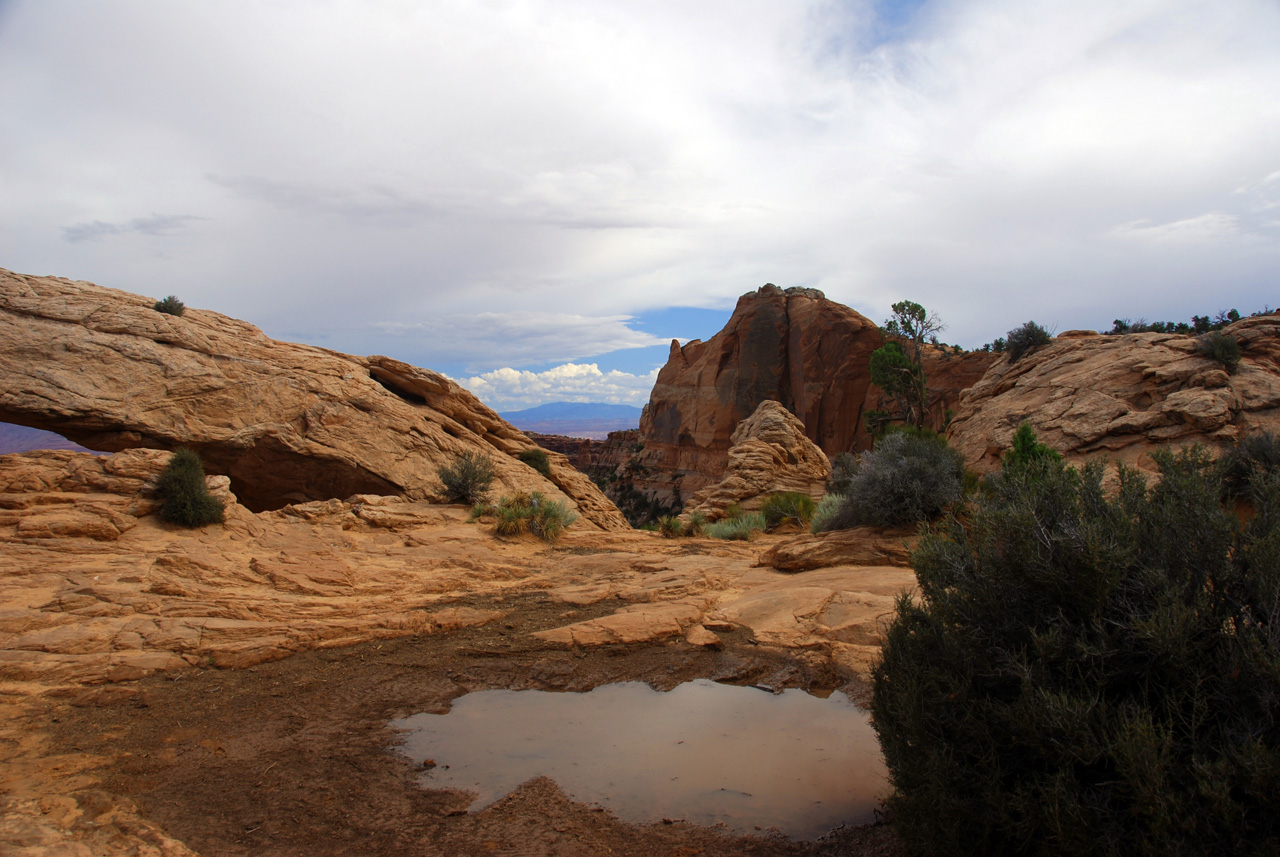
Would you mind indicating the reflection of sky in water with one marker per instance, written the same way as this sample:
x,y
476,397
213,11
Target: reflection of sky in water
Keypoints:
x,y
703,752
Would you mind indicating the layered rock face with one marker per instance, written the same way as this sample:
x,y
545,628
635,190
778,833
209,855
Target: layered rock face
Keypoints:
x,y
286,423
769,453
1123,396
790,346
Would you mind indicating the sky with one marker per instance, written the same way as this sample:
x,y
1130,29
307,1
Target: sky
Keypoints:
x,y
536,196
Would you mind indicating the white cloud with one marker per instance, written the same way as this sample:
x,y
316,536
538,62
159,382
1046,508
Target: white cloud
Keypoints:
x,y
355,163
510,389
489,338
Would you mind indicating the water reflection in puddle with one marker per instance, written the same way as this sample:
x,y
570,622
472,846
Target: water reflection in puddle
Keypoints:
x,y
703,752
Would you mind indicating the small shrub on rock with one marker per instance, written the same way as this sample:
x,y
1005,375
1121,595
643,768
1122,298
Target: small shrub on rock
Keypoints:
x,y
909,476
787,507
1089,674
467,478
1024,339
1222,347
825,511
741,528
537,459
187,501
532,513
170,306
671,527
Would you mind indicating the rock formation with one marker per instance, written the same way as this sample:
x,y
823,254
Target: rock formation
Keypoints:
x,y
791,346
1088,395
769,452
286,423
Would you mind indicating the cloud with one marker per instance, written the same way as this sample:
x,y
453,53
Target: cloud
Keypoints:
x,y
509,389
157,225
518,338
1210,227
507,183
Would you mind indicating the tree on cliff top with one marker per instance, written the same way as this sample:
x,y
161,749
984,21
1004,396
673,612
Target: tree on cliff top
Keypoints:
x,y
899,371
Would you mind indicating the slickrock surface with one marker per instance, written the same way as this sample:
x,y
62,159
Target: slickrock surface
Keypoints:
x,y
769,452
96,594
1123,396
287,423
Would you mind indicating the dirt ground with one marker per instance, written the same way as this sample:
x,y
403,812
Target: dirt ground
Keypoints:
x,y
295,757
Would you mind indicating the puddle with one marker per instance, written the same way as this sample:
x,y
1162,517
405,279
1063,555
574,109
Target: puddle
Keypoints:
x,y
704,752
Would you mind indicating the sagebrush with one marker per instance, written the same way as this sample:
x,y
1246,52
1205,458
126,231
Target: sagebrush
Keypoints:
x,y
187,501
467,478
909,476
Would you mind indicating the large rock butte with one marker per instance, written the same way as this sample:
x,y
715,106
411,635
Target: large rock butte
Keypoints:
x,y
792,346
1121,397
285,422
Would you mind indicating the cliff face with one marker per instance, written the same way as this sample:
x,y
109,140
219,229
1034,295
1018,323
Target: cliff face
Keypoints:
x,y
285,422
791,346
1121,397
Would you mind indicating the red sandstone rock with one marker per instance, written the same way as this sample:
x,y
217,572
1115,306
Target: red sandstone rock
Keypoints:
x,y
1090,396
287,423
769,453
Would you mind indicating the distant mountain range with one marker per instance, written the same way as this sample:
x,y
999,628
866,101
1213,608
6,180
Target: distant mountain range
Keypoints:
x,y
575,419
21,439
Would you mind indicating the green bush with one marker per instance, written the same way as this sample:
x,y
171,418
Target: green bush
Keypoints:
x,y
170,306
741,528
467,478
1249,462
1085,674
1222,347
825,510
1024,339
537,459
671,527
532,513
1027,450
187,501
787,507
909,476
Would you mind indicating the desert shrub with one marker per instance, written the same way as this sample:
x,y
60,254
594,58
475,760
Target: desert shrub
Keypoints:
x,y
170,306
1219,346
909,476
787,507
1083,673
537,459
741,528
532,513
467,478
824,511
1026,449
696,524
671,527
1253,457
187,501
1023,339
842,470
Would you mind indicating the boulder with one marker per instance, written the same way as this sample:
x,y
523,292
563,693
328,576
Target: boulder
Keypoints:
x,y
1123,396
769,453
286,423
